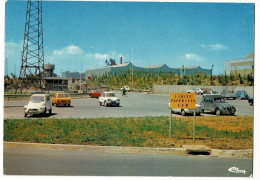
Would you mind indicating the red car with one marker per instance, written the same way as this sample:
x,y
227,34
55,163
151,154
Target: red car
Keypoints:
x,y
95,93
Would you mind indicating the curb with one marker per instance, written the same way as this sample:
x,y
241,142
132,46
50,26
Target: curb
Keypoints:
x,y
246,153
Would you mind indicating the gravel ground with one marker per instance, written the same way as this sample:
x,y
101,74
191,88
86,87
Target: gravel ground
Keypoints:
x,y
131,105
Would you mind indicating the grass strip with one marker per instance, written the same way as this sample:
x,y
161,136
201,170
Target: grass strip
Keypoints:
x,y
133,132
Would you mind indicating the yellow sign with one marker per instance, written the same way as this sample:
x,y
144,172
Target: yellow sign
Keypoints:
x,y
183,101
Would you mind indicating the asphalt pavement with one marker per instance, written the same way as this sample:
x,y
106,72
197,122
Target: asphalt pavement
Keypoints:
x,y
42,161
131,105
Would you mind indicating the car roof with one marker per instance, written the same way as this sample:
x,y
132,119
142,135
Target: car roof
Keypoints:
x,y
213,96
40,95
108,92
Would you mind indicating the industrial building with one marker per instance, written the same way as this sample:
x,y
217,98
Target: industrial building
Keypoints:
x,y
51,81
74,75
242,66
127,68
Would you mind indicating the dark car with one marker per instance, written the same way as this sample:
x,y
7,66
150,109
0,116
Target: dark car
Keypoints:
x,y
251,101
241,94
228,94
216,104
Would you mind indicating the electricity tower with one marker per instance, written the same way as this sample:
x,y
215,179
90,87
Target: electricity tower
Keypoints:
x,y
31,71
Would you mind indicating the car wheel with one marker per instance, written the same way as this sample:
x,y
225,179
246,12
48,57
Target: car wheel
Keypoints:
x,y
197,114
52,104
100,103
202,111
25,114
183,113
105,103
50,111
251,103
235,98
56,105
45,111
117,105
91,95
69,105
232,114
218,112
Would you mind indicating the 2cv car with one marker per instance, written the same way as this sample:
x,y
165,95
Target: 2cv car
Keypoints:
x,y
216,104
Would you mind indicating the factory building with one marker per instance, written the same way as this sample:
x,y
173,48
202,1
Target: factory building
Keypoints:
x,y
127,68
242,66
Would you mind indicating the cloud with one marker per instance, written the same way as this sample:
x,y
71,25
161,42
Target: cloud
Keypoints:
x,y
214,47
193,57
13,49
68,50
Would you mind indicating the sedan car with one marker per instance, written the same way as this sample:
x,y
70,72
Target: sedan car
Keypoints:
x,y
211,93
188,111
241,94
197,91
217,105
95,93
228,94
108,99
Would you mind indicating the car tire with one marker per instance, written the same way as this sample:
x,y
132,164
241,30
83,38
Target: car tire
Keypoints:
x,y
25,114
218,112
50,111
202,111
105,103
45,111
52,104
232,114
56,105
117,105
183,113
69,105
100,103
198,114
91,96
235,98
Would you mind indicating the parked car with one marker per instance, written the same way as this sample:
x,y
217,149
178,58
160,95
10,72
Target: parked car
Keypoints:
x,y
127,88
216,104
61,99
188,111
251,101
211,93
95,93
228,94
108,98
38,104
241,94
197,91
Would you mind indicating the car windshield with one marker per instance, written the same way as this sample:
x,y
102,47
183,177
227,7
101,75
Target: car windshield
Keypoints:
x,y
219,100
110,94
37,99
63,95
243,92
214,92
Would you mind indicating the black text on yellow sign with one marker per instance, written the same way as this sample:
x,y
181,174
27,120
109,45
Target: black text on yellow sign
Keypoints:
x,y
183,101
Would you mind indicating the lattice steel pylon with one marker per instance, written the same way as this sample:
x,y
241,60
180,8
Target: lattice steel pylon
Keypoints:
x,y
31,72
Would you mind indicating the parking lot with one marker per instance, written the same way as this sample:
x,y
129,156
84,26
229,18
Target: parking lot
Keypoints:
x,y
131,105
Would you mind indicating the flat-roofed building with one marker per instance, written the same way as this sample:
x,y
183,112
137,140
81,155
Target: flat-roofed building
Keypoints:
x,y
242,66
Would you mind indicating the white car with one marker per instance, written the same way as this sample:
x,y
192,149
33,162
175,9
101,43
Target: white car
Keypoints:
x,y
38,104
211,93
197,91
188,111
127,88
108,99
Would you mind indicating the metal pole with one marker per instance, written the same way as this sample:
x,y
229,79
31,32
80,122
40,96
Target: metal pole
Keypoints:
x,y
170,124
132,66
194,117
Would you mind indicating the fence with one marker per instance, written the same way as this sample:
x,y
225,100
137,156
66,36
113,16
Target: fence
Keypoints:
x,y
167,89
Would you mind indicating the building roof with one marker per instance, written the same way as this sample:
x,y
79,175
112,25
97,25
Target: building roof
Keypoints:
x,y
155,66
56,78
188,67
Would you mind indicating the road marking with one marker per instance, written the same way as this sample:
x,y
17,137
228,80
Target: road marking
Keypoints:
x,y
236,170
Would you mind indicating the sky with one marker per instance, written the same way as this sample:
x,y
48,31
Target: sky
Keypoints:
x,y
82,35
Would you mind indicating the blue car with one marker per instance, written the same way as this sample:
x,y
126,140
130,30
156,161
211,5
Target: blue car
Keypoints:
x,y
241,94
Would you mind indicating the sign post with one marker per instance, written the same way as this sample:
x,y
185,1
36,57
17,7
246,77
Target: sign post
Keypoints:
x,y
183,101
170,124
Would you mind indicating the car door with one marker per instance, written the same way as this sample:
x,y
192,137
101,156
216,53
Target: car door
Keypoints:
x,y
211,104
48,102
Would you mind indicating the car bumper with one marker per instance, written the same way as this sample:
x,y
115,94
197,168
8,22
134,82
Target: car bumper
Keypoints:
x,y
226,111
34,111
